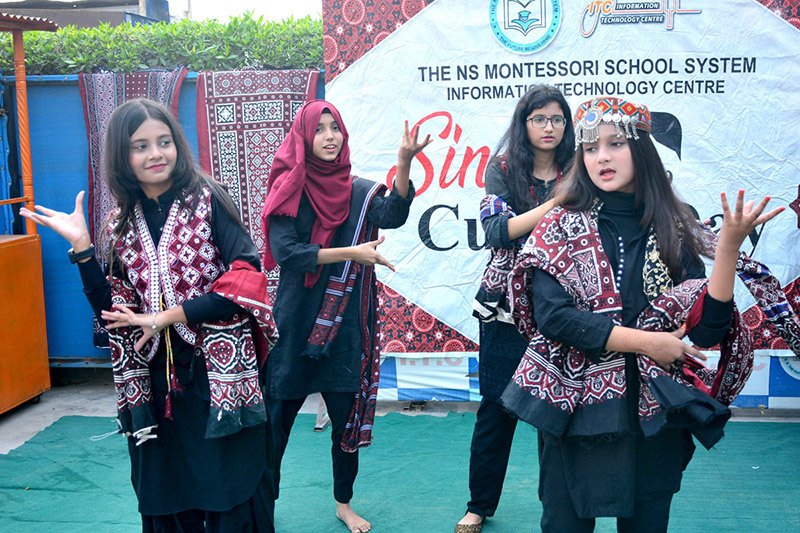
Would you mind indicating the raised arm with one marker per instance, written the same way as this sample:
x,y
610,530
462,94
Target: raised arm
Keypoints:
x,y
736,226
409,147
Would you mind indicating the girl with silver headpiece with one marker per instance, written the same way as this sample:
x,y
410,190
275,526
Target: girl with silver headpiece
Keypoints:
x,y
606,288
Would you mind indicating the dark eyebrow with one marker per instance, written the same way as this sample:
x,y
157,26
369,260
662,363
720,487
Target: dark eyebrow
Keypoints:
x,y
141,139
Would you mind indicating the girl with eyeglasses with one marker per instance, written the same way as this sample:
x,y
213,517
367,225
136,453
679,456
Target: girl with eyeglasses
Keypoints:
x,y
605,288
530,160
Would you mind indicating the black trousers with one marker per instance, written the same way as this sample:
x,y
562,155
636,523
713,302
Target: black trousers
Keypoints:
x,y
488,459
282,414
256,515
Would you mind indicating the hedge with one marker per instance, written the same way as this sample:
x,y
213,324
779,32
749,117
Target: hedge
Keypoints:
x,y
207,45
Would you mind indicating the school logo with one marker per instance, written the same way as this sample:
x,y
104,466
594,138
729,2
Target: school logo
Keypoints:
x,y
525,26
618,12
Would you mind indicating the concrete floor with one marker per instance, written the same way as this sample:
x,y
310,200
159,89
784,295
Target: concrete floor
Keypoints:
x,y
90,392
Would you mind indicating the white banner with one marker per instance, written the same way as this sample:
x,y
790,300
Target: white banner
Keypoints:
x,y
723,76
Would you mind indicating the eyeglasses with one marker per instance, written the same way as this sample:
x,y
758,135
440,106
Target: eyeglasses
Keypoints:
x,y
540,121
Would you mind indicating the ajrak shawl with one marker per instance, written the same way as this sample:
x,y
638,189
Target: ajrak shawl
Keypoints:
x,y
488,303
343,278
559,390
185,265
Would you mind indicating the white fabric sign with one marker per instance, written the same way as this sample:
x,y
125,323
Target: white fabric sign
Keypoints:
x,y
727,72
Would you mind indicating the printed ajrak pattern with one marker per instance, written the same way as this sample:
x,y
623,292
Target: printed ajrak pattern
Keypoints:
x,y
788,9
242,119
561,379
231,363
353,27
182,266
131,373
101,93
406,328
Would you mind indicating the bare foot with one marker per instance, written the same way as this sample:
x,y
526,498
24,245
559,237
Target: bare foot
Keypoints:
x,y
471,518
354,523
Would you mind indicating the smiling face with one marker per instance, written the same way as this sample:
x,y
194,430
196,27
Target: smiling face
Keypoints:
x,y
609,162
152,157
328,138
547,138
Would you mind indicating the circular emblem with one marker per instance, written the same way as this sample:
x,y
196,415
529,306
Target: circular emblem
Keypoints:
x,y
791,365
525,26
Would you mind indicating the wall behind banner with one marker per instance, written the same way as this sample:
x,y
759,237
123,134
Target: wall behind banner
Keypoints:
x,y
728,102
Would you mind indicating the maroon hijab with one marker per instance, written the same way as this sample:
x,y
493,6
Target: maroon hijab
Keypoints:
x,y
296,170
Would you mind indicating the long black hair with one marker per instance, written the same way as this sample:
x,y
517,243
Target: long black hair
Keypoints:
x,y
674,225
121,179
515,146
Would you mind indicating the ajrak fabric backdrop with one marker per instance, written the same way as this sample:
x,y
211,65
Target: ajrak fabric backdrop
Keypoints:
x,y
101,94
458,68
242,118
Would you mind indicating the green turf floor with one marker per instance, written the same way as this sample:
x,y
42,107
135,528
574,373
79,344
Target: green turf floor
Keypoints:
x,y
413,479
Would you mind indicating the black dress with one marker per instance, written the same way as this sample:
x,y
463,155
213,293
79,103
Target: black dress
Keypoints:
x,y
611,477
292,376
181,470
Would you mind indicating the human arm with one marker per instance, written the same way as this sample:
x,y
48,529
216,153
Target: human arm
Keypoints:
x,y
502,230
592,333
736,226
293,253
409,147
72,227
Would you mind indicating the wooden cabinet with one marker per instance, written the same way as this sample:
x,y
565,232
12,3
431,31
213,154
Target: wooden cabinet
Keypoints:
x,y
24,368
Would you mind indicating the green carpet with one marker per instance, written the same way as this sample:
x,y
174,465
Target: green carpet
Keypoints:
x,y
413,479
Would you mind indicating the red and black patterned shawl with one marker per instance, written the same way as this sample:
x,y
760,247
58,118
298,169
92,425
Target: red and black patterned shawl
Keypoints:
x,y
559,390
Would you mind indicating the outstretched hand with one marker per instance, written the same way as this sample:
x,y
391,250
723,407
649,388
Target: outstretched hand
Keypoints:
x,y
70,226
367,254
124,317
410,145
737,225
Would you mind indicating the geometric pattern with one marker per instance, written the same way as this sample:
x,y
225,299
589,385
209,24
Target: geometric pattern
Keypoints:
x,y
242,118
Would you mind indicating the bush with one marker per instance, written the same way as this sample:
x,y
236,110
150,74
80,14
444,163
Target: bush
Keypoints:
x,y
207,45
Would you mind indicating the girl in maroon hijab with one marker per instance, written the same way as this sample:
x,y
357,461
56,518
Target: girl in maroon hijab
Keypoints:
x,y
322,225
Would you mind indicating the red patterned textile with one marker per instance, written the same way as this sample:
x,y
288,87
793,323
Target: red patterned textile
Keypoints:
x,y
559,390
101,94
185,247
231,349
131,374
247,287
242,119
787,9
353,27
406,328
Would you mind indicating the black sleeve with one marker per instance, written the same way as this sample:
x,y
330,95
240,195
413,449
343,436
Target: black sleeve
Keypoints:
x,y
717,316
391,211
287,249
495,227
95,287
558,319
233,243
